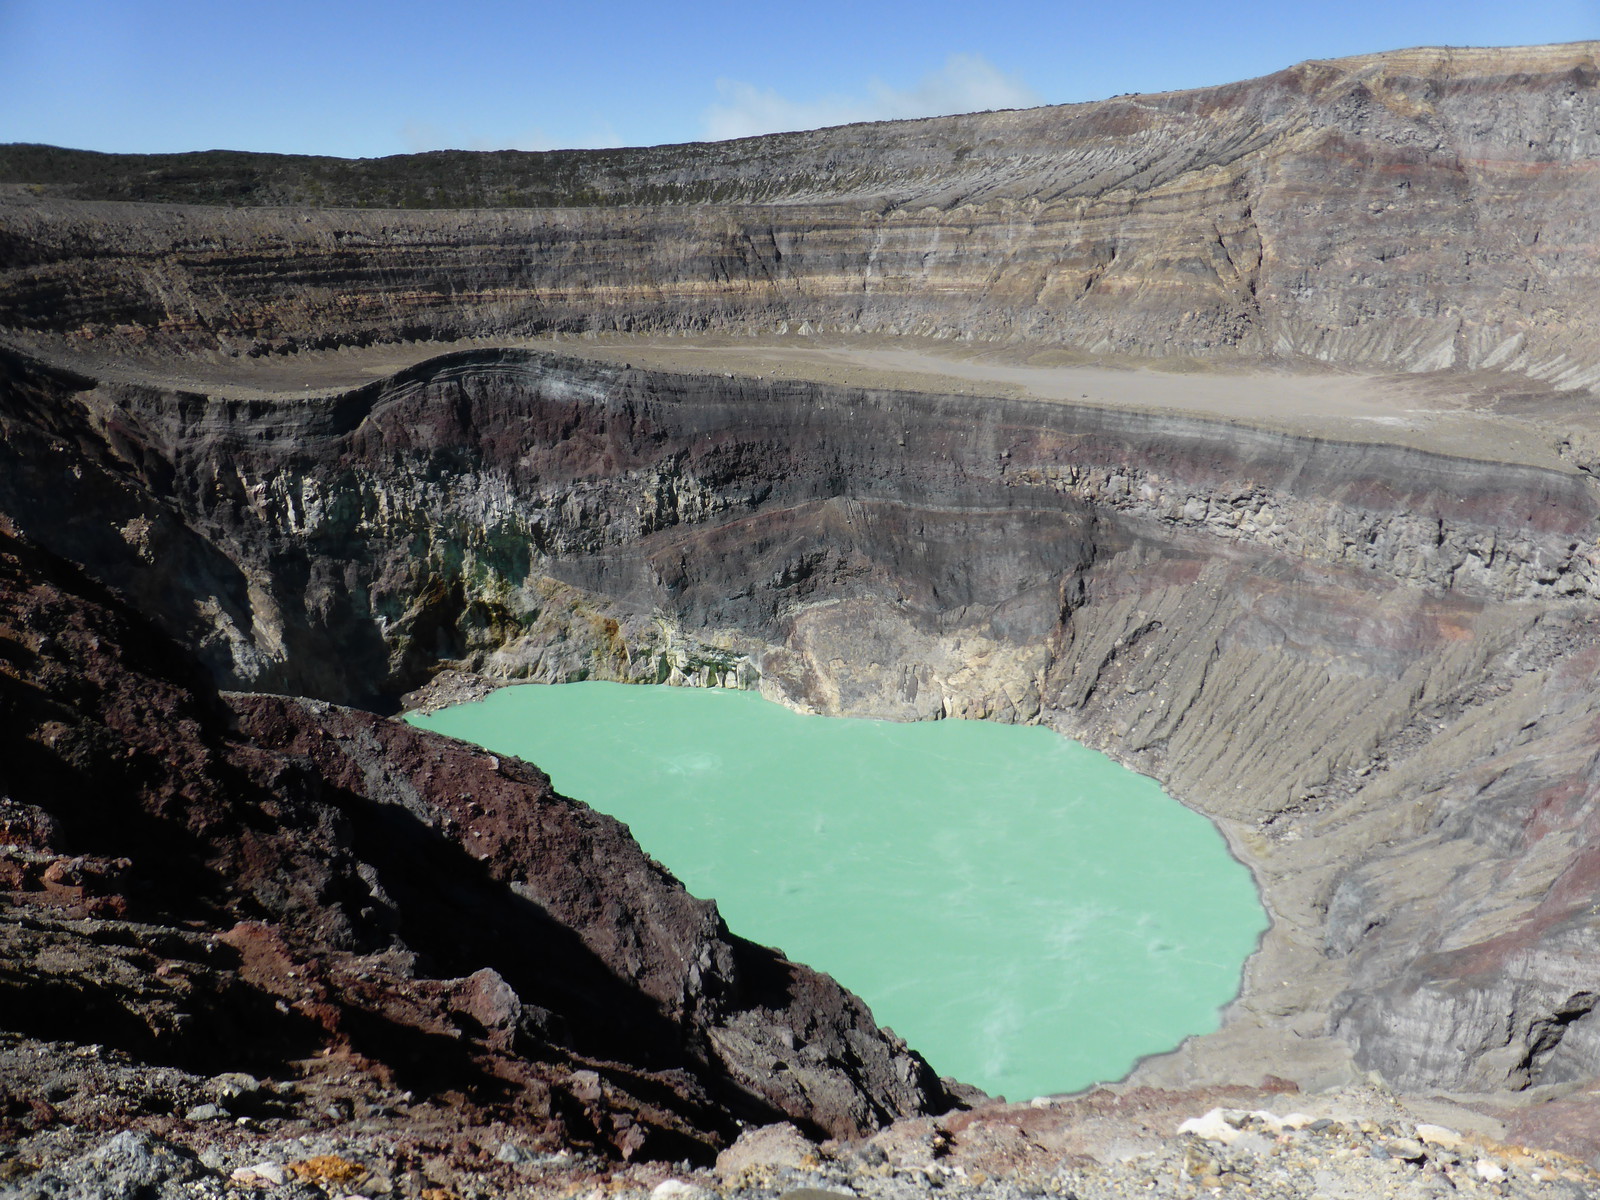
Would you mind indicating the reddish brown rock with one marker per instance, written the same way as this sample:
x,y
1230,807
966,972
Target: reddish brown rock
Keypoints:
x,y
295,881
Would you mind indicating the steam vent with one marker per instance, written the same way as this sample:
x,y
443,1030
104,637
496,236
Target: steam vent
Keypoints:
x,y
1248,434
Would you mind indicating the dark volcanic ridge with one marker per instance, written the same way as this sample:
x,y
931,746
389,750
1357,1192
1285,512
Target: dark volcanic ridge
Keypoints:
x,y
1369,660
282,886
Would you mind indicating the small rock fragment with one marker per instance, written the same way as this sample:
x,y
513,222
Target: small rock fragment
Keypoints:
x,y
234,1086
1213,1127
1438,1135
262,1174
1405,1149
770,1146
1489,1171
585,1086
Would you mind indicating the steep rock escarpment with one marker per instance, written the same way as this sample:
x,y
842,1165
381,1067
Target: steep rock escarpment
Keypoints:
x,y
1365,661
1420,210
281,886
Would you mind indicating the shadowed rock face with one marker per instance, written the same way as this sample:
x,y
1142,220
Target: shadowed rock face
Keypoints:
x,y
254,882
1418,210
1370,664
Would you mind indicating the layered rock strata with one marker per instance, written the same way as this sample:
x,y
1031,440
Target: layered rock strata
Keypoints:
x,y
1369,663
1420,210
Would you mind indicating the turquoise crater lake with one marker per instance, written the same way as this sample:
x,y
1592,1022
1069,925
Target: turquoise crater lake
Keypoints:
x,y
1029,915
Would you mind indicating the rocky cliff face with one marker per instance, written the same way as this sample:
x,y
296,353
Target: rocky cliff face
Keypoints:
x,y
1421,210
1357,657
285,887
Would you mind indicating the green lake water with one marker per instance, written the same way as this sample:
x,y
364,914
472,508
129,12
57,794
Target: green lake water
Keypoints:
x,y
1029,915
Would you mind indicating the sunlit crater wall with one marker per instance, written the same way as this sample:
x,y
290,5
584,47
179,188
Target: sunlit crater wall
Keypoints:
x,y
1419,210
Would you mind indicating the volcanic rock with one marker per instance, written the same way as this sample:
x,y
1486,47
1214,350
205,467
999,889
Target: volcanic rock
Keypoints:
x,y
1423,209
297,880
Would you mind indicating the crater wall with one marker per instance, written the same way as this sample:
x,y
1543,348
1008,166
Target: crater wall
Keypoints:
x,y
1367,662
1421,210
1370,664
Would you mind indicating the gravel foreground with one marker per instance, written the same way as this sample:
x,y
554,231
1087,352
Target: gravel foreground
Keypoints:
x,y
83,1123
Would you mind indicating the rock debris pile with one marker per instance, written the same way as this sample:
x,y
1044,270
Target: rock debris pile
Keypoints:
x,y
1361,1149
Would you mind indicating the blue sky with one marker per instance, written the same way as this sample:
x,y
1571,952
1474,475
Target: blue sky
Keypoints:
x,y
363,79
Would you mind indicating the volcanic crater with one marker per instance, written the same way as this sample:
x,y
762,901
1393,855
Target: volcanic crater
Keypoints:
x,y
1247,433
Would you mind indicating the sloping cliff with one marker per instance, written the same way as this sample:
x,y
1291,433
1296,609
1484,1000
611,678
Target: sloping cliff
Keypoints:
x,y
261,883
1317,643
